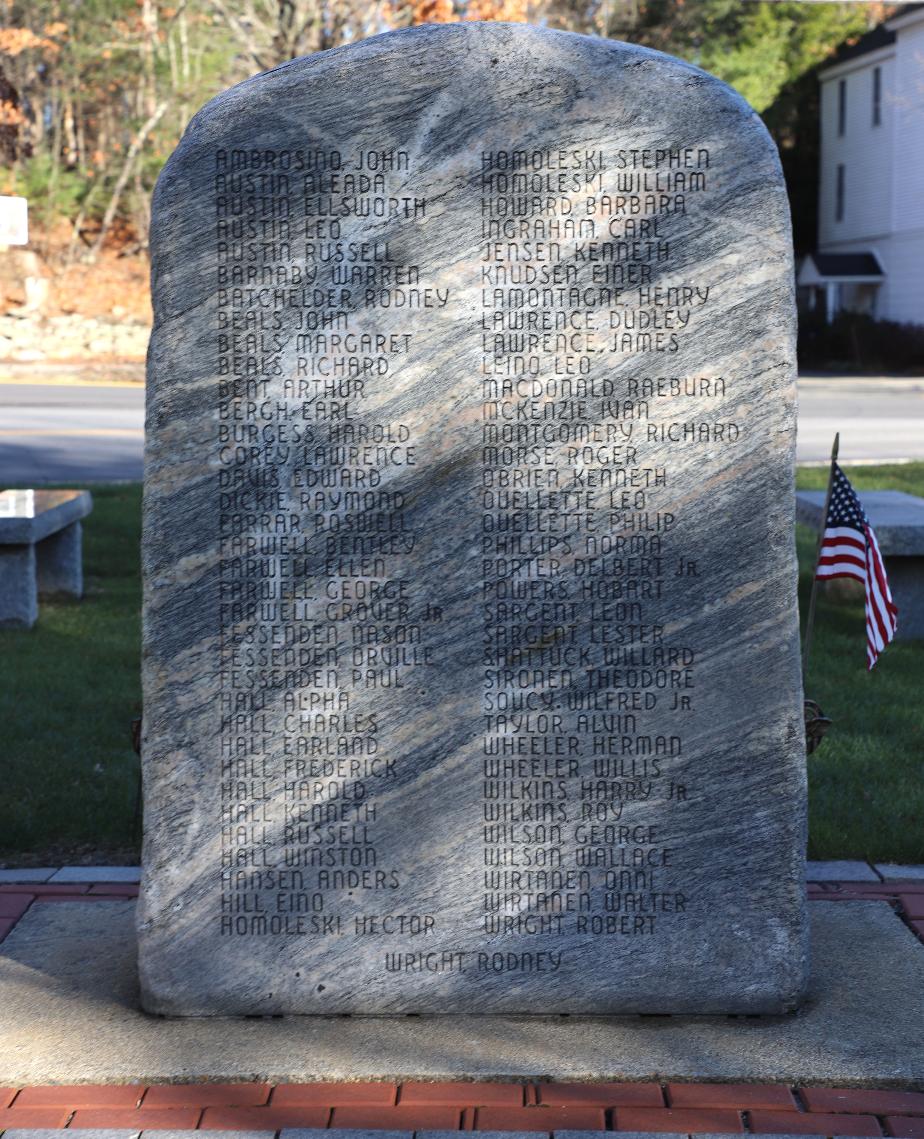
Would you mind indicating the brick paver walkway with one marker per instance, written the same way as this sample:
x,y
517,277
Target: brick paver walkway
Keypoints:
x,y
539,1108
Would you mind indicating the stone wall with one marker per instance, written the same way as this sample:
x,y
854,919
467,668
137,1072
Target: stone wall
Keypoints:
x,y
32,337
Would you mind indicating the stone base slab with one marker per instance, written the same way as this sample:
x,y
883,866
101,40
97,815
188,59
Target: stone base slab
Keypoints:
x,y
69,1014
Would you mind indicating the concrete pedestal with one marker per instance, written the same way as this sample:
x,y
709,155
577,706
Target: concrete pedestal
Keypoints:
x,y
59,562
906,581
70,1013
41,550
18,591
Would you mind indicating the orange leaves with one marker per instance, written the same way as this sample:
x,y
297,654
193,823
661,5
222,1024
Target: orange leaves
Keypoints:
x,y
14,41
10,114
508,11
443,11
432,12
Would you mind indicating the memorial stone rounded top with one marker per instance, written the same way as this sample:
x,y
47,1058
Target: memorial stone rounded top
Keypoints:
x,y
471,651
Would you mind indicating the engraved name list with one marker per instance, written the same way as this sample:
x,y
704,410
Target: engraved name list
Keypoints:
x,y
471,663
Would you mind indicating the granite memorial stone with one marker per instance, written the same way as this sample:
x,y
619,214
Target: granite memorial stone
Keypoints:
x,y
471,673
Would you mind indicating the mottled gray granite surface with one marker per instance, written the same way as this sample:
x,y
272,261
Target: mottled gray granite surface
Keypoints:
x,y
471,674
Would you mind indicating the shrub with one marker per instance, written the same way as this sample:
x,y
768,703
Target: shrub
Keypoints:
x,y
857,343
51,192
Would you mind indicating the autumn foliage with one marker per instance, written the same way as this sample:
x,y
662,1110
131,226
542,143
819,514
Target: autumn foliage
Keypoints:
x,y
94,94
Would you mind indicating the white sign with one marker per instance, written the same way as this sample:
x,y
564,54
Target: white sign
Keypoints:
x,y
14,221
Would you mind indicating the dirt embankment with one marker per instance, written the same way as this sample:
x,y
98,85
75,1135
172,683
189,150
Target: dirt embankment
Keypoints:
x,y
59,310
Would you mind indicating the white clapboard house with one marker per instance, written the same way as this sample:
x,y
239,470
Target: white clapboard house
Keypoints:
x,y
870,255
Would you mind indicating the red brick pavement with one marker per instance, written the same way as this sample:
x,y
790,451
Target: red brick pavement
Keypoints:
x,y
460,1093
812,1123
537,1106
601,1095
262,1118
905,1127
740,1096
758,1109
153,1118
713,1120
334,1095
206,1095
82,1095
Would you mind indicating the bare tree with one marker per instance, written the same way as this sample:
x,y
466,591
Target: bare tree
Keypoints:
x,y
270,32
127,166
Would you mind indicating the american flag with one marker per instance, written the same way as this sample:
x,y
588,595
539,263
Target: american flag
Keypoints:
x,y
849,549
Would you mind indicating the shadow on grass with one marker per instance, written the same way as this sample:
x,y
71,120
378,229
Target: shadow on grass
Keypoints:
x,y
69,688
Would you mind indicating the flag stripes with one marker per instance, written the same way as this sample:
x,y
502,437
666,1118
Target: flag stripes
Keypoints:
x,y
849,549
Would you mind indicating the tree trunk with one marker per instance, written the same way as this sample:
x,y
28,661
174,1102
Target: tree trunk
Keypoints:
x,y
149,51
51,196
142,212
130,158
185,69
70,134
81,137
171,58
77,231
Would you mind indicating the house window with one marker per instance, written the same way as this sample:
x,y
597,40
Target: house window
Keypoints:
x,y
841,107
877,96
839,194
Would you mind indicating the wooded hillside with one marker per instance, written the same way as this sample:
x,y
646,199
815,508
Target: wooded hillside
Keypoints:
x,y
94,94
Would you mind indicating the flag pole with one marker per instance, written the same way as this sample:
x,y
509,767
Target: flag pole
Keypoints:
x,y
810,619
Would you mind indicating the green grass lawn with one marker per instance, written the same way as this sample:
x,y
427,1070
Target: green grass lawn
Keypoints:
x,y
866,781
69,689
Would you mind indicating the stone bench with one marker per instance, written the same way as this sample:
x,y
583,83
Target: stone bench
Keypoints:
x,y
898,520
40,550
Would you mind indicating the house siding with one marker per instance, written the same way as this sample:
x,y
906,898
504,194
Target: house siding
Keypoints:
x,y
907,253
883,170
863,150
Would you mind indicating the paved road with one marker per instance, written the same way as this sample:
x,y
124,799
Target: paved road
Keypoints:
x,y
70,433
59,432
878,419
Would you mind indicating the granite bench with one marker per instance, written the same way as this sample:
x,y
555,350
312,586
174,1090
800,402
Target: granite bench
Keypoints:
x,y
40,550
898,520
